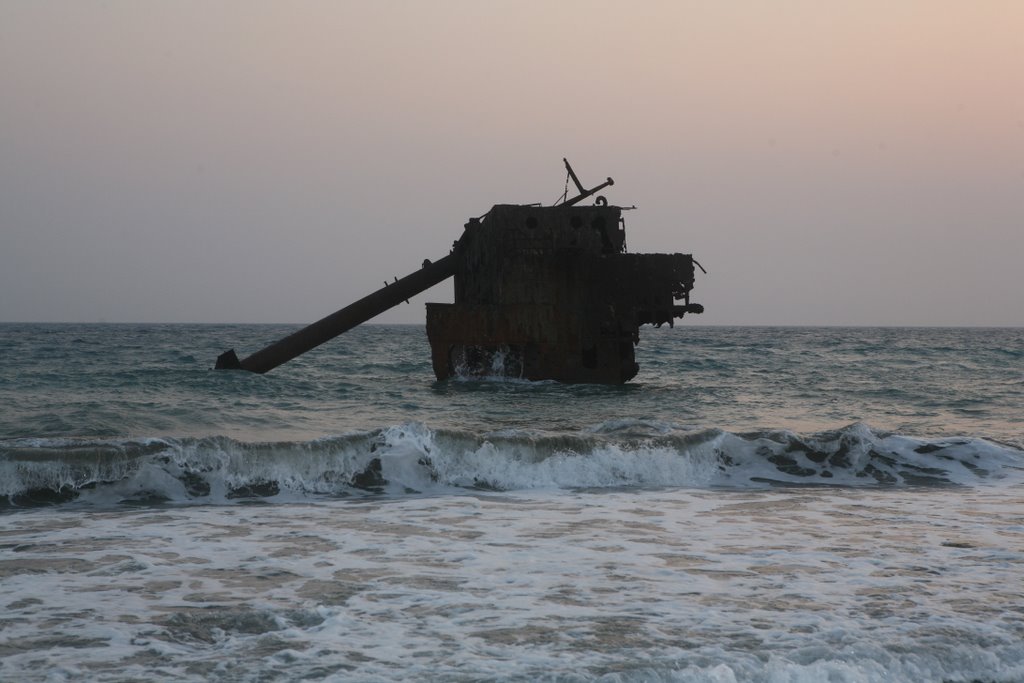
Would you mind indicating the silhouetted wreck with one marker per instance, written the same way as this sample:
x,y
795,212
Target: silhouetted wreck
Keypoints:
x,y
540,293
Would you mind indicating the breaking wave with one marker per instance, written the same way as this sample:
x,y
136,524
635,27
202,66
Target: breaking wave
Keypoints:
x,y
414,459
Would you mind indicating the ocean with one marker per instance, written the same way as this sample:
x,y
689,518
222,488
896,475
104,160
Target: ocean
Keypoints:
x,y
758,504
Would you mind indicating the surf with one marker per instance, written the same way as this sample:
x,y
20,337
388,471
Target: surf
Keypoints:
x,y
415,459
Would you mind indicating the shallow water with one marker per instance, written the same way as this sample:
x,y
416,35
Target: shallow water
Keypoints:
x,y
758,505
645,584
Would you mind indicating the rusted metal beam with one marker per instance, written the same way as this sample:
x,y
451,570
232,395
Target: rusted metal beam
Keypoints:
x,y
343,320
579,186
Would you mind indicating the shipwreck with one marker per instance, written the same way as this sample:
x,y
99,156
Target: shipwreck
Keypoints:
x,y
541,292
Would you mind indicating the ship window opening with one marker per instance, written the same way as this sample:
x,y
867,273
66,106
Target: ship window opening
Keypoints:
x,y
601,227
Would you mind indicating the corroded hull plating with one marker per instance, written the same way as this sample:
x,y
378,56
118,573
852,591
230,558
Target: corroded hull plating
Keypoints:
x,y
549,293
540,293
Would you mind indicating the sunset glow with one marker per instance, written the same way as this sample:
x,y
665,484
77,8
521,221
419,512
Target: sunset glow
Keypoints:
x,y
833,163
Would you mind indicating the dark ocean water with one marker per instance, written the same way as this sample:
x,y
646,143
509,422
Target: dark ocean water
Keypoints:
x,y
775,504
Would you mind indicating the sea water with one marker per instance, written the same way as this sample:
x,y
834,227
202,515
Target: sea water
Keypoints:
x,y
758,504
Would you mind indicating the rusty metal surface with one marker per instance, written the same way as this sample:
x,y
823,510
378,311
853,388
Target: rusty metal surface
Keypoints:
x,y
540,293
342,320
549,293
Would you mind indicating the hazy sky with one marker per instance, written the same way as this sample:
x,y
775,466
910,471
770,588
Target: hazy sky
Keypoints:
x,y
828,162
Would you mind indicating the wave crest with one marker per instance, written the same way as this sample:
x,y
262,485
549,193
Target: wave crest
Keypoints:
x,y
412,458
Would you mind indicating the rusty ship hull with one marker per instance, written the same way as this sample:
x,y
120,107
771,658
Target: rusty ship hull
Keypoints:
x,y
541,293
550,293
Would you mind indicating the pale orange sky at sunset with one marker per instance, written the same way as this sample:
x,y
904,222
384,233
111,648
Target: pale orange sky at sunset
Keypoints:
x,y
835,163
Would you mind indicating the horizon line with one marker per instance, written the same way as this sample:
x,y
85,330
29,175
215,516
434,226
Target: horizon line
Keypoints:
x,y
423,324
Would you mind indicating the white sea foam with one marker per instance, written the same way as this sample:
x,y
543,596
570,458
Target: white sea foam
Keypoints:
x,y
414,458
509,530
845,585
